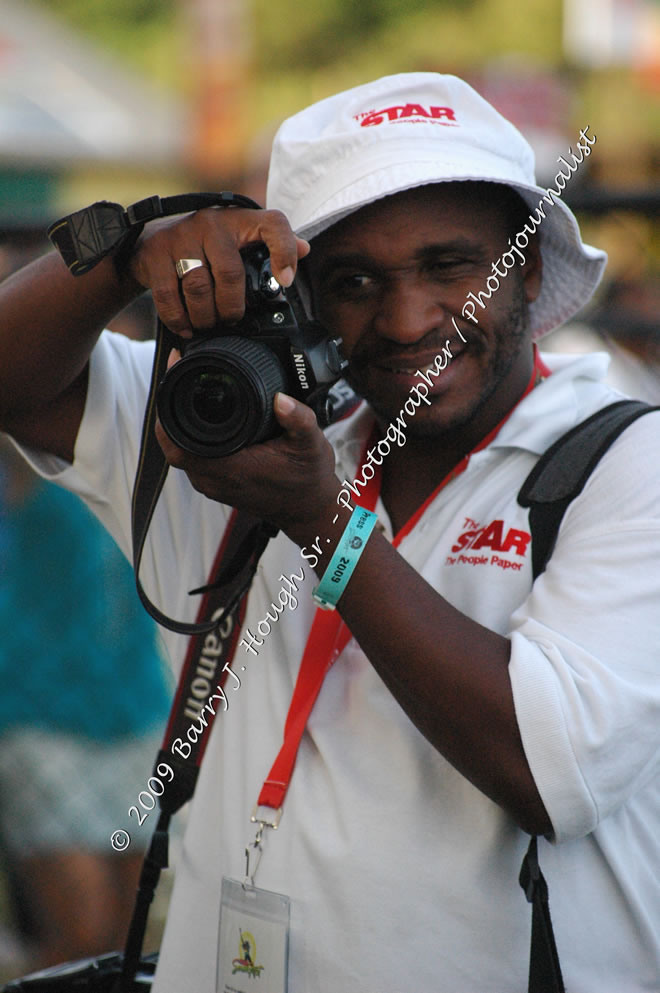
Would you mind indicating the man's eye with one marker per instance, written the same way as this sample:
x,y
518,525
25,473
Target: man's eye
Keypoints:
x,y
448,266
346,284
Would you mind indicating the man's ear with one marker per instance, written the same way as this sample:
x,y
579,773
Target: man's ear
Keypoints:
x,y
532,270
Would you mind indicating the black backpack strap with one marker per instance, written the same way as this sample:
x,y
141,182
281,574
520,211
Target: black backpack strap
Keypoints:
x,y
556,479
544,969
561,473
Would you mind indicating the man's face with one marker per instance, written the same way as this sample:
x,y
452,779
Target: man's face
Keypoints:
x,y
390,278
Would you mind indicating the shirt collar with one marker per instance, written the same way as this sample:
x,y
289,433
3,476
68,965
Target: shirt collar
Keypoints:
x,y
573,391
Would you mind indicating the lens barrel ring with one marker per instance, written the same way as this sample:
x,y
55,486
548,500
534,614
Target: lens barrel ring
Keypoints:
x,y
218,398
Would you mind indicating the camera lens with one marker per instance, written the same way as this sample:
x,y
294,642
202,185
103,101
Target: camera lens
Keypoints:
x,y
215,396
219,397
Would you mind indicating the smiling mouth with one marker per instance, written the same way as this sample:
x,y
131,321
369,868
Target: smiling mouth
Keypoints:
x,y
406,365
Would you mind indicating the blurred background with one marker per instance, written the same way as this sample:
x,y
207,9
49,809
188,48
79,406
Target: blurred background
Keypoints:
x,y
121,99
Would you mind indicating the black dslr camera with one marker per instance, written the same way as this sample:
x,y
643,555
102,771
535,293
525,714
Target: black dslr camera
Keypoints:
x,y
219,397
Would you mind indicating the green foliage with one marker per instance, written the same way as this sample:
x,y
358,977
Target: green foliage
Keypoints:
x,y
295,41
305,51
317,34
101,17
143,32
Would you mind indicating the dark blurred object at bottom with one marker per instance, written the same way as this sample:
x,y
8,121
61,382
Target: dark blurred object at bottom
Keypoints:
x,y
98,975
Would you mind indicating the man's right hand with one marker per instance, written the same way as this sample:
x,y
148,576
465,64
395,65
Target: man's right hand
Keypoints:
x,y
217,290
50,320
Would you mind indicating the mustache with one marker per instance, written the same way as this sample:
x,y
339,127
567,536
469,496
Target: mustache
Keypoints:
x,y
381,350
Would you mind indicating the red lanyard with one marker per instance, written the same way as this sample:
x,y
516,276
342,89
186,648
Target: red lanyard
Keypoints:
x,y
329,635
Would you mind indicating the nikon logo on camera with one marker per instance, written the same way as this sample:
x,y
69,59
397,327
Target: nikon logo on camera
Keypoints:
x,y
301,369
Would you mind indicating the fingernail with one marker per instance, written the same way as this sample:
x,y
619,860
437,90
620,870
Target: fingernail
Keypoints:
x,y
286,276
284,403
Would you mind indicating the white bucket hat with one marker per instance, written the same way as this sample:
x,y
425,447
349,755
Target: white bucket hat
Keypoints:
x,y
409,130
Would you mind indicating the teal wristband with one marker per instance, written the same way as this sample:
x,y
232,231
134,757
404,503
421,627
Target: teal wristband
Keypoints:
x,y
347,553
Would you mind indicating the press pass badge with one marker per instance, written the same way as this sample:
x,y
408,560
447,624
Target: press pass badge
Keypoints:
x,y
253,941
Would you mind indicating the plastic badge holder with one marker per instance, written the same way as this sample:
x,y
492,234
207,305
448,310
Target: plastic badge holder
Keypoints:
x,y
254,940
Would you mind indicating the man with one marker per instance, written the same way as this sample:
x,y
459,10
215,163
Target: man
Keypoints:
x,y
468,707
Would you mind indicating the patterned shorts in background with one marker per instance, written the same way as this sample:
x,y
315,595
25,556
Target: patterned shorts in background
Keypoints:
x,y
58,791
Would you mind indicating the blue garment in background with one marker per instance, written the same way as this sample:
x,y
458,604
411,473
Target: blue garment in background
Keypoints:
x,y
78,652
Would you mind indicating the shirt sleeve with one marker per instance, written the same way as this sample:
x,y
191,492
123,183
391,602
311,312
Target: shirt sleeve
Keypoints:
x,y
585,656
107,445
177,556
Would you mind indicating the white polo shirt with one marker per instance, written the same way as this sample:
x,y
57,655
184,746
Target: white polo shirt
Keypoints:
x,y
402,875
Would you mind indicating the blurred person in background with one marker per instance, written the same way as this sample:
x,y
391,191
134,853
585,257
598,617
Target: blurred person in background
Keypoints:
x,y
83,699
626,325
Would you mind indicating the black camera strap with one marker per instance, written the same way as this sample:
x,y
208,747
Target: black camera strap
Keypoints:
x,y
83,239
235,574
199,696
106,228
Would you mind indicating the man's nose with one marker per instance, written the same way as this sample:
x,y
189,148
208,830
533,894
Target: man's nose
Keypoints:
x,y
408,309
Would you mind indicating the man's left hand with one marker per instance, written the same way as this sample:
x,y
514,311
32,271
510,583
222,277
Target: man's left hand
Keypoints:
x,y
288,481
